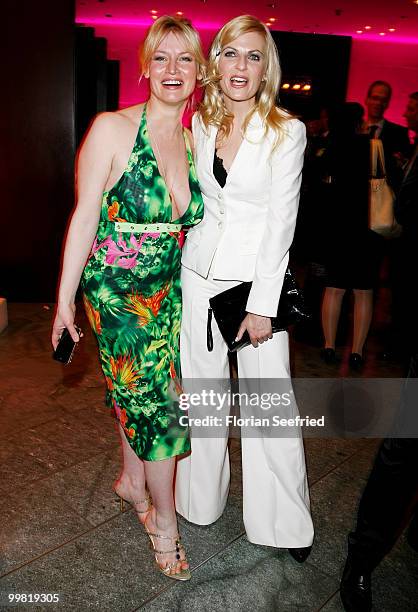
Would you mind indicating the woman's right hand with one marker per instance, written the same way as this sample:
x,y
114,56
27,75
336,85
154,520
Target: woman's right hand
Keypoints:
x,y
64,318
258,328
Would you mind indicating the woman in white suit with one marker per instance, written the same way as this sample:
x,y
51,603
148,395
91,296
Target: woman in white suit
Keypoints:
x,y
249,156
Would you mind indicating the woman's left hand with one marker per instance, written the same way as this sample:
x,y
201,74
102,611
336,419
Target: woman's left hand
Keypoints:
x,y
258,328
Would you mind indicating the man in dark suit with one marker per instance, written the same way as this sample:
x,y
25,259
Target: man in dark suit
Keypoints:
x,y
393,136
392,488
406,211
397,151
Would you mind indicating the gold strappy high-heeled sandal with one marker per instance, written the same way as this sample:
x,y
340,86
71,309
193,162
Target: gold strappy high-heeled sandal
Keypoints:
x,y
184,574
134,503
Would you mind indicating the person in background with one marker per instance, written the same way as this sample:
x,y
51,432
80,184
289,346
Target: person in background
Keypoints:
x,y
391,493
394,137
406,210
310,244
351,260
397,150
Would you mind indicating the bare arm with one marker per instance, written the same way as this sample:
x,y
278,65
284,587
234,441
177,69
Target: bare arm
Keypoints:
x,y
93,170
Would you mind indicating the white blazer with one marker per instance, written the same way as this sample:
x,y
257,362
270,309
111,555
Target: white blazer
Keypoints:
x,y
249,223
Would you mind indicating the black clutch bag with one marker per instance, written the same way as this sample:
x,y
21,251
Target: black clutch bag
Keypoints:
x,y
228,308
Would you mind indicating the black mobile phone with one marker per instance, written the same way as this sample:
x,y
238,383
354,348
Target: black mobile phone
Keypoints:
x,y
65,347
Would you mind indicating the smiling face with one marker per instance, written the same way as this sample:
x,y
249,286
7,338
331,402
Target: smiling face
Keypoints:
x,y
242,67
172,70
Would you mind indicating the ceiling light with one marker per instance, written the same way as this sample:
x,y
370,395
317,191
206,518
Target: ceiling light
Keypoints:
x,y
367,27
306,87
391,30
153,12
179,13
296,86
154,16
359,31
272,19
285,85
382,33
268,24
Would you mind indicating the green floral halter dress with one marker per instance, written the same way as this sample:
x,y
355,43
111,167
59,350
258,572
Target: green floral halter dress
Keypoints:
x,y
132,295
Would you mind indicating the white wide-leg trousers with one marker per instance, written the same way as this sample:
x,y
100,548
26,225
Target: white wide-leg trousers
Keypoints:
x,y
275,489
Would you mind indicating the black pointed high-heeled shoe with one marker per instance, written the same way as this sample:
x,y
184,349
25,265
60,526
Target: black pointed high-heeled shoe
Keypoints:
x,y
300,554
356,362
329,356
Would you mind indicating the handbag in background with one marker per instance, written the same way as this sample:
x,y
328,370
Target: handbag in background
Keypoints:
x,y
229,310
381,197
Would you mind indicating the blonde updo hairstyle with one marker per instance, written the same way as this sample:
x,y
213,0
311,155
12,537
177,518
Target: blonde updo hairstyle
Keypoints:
x,y
179,26
213,110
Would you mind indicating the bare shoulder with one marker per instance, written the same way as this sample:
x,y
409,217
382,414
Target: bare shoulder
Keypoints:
x,y
118,119
110,127
132,114
104,126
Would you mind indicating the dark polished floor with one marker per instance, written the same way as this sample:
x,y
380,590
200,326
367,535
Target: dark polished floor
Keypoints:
x,y
62,532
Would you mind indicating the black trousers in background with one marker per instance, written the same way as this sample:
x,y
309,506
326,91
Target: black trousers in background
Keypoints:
x,y
391,493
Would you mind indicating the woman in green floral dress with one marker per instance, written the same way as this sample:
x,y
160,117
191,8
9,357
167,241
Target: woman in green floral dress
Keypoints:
x,y
132,205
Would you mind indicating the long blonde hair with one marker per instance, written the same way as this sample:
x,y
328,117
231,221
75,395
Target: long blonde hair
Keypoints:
x,y
163,26
212,108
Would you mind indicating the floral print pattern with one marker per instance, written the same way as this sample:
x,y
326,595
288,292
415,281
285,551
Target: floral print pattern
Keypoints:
x,y
132,296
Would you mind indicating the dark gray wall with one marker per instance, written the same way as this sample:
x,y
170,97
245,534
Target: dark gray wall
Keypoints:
x,y
38,142
322,58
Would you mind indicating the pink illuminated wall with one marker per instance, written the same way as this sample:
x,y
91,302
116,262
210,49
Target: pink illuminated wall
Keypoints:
x,y
370,60
396,63
123,42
